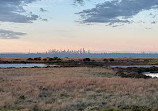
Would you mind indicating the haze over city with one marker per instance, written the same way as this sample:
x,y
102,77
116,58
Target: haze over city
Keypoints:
x,y
104,25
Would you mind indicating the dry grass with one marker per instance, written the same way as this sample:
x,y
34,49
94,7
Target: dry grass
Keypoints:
x,y
70,89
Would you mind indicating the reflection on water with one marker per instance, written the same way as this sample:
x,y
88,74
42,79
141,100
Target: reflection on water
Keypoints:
x,y
24,65
151,74
144,66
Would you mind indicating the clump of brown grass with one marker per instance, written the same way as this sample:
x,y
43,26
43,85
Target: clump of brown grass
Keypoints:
x,y
72,89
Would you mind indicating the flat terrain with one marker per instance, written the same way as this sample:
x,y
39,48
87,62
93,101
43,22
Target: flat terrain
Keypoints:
x,y
75,89
80,62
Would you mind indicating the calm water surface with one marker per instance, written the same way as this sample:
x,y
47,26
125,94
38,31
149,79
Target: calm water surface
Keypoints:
x,y
91,55
24,65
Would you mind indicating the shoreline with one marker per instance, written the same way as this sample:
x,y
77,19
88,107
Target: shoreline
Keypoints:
x,y
99,61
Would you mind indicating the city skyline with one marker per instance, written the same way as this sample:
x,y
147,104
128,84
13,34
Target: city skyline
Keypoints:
x,y
79,51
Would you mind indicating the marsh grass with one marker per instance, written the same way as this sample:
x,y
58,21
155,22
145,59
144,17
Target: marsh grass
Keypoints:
x,y
98,72
73,89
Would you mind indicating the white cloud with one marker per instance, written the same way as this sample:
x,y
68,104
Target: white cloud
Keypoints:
x,y
117,11
7,34
13,11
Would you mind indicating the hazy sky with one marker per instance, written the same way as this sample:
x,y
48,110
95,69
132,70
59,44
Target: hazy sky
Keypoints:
x,y
100,25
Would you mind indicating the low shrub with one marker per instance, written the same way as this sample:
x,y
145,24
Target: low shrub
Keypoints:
x,y
86,59
54,58
37,58
111,59
50,59
22,97
29,59
106,60
44,59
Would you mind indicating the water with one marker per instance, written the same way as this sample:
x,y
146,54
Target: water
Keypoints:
x,y
150,74
91,55
24,65
139,66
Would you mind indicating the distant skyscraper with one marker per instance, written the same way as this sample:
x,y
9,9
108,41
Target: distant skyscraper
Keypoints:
x,y
81,51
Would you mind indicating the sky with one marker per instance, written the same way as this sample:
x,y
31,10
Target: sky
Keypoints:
x,y
96,25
